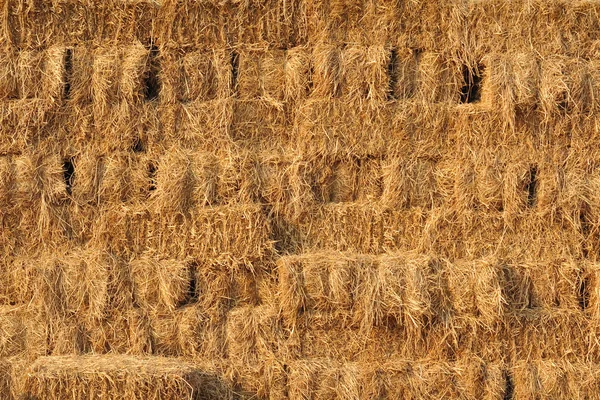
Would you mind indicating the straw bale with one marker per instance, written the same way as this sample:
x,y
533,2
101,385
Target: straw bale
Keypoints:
x,y
439,79
482,233
18,334
199,125
402,70
188,332
33,74
320,378
197,24
260,124
6,383
17,280
40,193
235,232
410,182
210,24
67,336
254,334
476,290
356,73
333,127
38,24
267,380
259,22
82,284
7,181
160,284
354,21
548,27
306,376
345,179
553,378
237,177
75,377
107,180
364,72
223,283
551,333
361,227
174,183
512,83
23,122
360,290
284,181
122,331
195,76
276,76
117,76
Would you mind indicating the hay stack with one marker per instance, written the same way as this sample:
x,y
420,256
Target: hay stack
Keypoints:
x,y
120,376
308,198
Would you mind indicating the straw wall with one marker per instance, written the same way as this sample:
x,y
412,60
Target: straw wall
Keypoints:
x,y
300,199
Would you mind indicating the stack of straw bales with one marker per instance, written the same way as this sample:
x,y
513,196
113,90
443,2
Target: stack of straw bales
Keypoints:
x,y
299,199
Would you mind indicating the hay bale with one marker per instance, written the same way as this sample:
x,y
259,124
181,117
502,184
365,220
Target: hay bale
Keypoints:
x,y
331,127
198,24
214,25
236,232
355,227
23,123
199,125
551,333
78,283
74,377
254,334
476,290
189,332
260,124
160,284
195,76
552,379
38,25
358,21
512,83
175,183
276,76
359,290
364,72
438,78
409,182
33,74
16,337
17,276
125,331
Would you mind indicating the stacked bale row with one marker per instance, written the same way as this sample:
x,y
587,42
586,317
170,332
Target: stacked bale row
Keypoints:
x,y
308,198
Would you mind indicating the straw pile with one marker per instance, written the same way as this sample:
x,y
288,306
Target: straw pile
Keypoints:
x,y
299,199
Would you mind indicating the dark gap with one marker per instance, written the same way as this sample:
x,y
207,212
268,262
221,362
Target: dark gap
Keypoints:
x,y
509,388
235,64
138,146
563,103
311,73
532,186
152,176
393,75
151,81
471,90
68,73
586,229
584,222
583,293
69,174
193,286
